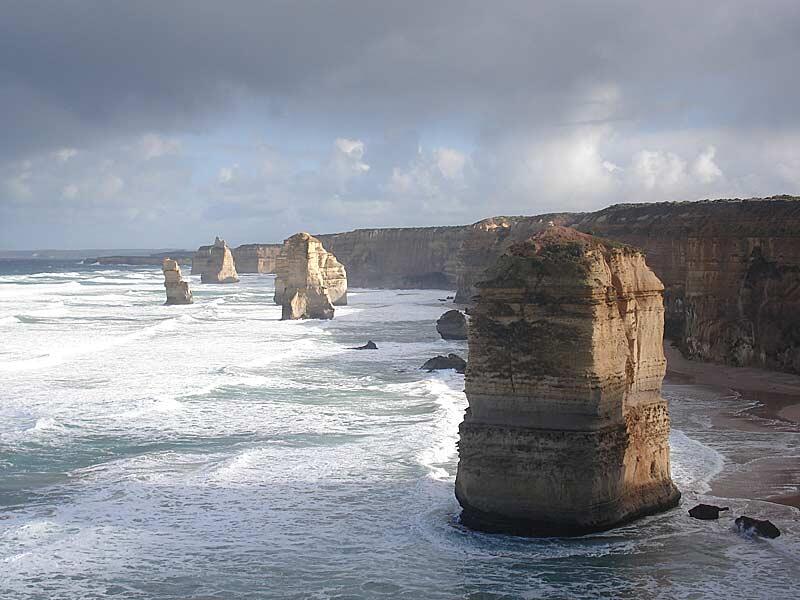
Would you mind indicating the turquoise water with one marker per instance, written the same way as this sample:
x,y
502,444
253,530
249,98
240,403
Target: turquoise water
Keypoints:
x,y
213,451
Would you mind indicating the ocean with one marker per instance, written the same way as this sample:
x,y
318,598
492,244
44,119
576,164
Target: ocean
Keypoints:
x,y
214,451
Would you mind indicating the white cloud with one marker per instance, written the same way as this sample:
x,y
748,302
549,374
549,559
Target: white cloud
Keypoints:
x,y
110,185
352,148
658,169
227,174
450,162
70,191
704,167
346,161
65,154
152,145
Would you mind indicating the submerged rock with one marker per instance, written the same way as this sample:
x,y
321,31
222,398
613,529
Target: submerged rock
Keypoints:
x,y
309,281
440,363
370,345
452,325
706,512
750,526
220,266
566,431
178,291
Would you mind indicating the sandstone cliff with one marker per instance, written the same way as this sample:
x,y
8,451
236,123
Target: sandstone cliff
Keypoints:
x,y
566,430
309,280
731,269
177,289
220,267
256,258
399,258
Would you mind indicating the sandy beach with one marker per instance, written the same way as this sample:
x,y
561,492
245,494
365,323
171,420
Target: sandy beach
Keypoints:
x,y
750,400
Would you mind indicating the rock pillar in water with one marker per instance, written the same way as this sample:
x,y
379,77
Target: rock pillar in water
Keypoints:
x,y
566,431
309,280
221,268
452,325
178,291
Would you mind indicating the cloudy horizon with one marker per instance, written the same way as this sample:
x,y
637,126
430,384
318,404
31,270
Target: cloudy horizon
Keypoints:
x,y
153,124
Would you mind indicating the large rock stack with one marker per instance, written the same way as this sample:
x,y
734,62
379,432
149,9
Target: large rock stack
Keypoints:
x,y
309,280
221,268
566,430
178,291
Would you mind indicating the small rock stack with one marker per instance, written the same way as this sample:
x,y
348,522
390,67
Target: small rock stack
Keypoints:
x,y
452,325
178,291
221,268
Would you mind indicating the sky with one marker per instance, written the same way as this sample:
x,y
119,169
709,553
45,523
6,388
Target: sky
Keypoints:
x,y
156,124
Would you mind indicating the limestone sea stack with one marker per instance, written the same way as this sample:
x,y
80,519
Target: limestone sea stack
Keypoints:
x,y
309,280
221,268
178,291
566,431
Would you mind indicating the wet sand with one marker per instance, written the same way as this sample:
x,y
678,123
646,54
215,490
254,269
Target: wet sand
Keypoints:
x,y
774,404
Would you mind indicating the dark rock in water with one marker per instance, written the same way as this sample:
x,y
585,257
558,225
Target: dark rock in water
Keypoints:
x,y
370,345
452,325
706,512
442,299
440,363
451,298
752,526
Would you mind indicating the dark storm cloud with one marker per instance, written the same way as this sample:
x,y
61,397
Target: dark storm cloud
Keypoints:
x,y
556,104
71,69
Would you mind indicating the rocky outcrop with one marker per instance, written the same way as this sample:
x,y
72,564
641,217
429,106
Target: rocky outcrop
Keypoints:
x,y
443,363
566,430
256,258
370,345
706,512
751,526
452,325
398,258
309,280
178,291
220,267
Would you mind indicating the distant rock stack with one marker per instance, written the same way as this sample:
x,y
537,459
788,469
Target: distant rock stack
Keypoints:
x,y
566,431
309,280
178,291
221,268
452,325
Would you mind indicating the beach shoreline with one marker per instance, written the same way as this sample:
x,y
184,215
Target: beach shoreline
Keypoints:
x,y
771,402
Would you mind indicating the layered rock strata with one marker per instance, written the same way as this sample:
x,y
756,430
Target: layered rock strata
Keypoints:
x,y
256,258
399,258
731,269
452,325
309,280
220,268
178,291
566,430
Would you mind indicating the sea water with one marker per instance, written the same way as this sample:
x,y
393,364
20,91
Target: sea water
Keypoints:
x,y
214,451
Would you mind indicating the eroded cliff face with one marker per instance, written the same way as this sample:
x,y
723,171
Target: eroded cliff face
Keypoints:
x,y
256,258
401,258
178,291
731,269
484,241
566,430
309,280
220,268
